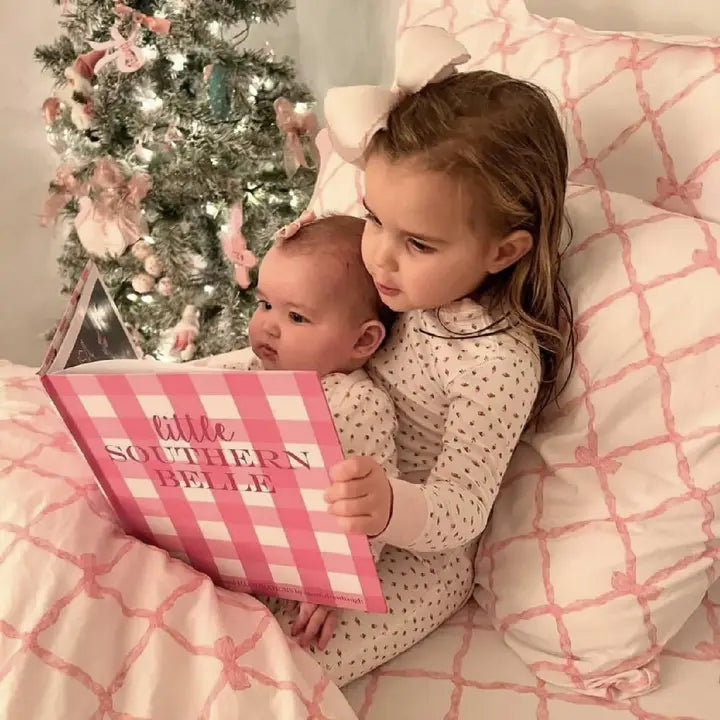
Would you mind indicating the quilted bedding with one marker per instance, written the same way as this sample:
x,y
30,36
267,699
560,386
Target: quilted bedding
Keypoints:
x,y
94,624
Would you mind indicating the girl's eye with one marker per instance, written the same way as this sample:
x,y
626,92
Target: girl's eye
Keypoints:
x,y
297,318
372,219
419,246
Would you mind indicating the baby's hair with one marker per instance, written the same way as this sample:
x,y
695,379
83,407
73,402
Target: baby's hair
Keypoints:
x,y
502,140
340,236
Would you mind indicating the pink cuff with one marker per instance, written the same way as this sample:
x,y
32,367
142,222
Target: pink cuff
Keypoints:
x,y
409,514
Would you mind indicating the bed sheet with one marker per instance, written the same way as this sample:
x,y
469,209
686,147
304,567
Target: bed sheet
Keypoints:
x,y
464,671
95,624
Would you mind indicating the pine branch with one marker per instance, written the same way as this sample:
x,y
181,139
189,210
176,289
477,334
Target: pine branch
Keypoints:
x,y
220,98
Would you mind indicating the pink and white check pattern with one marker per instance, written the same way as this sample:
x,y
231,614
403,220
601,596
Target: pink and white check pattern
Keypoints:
x,y
640,111
95,624
283,543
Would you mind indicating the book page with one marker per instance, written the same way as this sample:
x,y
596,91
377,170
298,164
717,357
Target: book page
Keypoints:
x,y
135,367
95,331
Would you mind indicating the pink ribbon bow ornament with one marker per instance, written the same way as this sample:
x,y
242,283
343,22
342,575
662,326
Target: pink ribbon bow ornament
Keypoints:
x,y
158,25
295,124
236,249
124,52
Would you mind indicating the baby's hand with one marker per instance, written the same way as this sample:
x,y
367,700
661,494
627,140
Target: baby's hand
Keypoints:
x,y
314,621
360,496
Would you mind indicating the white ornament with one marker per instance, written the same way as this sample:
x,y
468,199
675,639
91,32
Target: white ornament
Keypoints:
x,y
183,335
142,153
178,60
141,249
100,236
153,266
143,283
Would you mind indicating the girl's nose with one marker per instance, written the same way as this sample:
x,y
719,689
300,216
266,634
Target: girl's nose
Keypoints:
x,y
385,255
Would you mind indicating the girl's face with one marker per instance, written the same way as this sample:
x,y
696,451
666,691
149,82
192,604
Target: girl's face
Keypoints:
x,y
418,245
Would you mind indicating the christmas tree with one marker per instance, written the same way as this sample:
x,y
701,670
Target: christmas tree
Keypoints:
x,y
181,152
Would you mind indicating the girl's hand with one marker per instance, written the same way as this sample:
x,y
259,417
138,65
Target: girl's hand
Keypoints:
x,y
360,496
314,621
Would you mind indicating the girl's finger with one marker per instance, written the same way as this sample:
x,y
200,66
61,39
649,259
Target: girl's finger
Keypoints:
x,y
351,469
358,507
306,611
327,631
356,488
313,627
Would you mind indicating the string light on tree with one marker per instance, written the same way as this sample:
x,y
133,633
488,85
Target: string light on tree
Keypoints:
x,y
178,61
179,99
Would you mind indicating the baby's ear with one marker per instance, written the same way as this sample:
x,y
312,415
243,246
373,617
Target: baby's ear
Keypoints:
x,y
370,337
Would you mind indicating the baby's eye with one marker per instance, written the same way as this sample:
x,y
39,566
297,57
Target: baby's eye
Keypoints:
x,y
419,246
297,318
264,305
371,218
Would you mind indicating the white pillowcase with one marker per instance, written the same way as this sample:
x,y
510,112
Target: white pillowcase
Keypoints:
x,y
605,535
640,111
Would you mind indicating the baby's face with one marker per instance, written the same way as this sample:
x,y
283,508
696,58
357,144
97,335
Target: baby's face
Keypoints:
x,y
302,321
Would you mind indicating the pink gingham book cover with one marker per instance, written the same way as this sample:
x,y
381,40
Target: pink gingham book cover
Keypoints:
x,y
224,469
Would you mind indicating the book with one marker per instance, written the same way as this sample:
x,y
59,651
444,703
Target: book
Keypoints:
x,y
224,469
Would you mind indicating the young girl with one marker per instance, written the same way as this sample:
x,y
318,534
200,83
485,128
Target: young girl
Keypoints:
x,y
465,184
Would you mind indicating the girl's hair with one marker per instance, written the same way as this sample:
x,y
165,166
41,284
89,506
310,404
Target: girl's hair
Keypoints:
x,y
502,140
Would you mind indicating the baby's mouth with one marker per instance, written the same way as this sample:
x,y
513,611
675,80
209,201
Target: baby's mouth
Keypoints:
x,y
266,352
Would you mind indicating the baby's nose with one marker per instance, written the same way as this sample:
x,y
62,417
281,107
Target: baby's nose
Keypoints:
x,y
272,328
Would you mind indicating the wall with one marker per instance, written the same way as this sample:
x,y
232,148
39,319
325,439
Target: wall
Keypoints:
x,y
660,16
29,286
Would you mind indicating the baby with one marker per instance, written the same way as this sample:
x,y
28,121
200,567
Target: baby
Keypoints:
x,y
318,309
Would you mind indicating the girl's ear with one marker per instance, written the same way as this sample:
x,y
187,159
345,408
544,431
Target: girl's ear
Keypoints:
x,y
371,335
509,250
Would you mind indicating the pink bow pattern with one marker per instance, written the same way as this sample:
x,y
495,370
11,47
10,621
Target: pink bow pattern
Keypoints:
x,y
236,249
124,52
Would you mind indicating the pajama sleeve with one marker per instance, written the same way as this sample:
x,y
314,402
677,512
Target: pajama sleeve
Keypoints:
x,y
488,406
366,425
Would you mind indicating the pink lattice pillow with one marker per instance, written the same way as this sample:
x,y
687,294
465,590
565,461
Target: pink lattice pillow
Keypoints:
x,y
605,535
640,111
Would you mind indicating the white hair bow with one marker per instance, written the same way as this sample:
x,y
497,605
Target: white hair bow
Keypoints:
x,y
423,55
